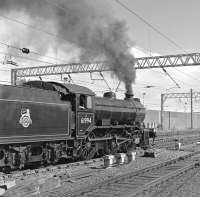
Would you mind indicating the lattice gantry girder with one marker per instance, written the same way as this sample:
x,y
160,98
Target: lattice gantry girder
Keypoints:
x,y
62,69
191,59
181,95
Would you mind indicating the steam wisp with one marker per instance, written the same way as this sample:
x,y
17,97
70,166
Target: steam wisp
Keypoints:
x,y
87,25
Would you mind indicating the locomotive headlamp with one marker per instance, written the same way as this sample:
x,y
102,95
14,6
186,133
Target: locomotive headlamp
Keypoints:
x,y
25,50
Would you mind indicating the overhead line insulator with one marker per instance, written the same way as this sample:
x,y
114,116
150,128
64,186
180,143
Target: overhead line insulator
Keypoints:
x,y
25,50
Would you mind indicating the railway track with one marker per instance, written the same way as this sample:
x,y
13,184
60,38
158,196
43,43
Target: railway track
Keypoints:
x,y
167,142
139,183
177,133
28,189
180,185
63,169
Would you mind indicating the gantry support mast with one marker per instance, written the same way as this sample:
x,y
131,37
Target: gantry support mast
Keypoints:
x,y
191,95
192,59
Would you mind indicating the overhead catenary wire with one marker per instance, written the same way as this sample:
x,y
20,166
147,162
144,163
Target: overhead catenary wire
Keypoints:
x,y
150,105
2,43
140,84
36,29
27,58
170,77
62,8
33,52
137,15
36,60
150,25
187,84
31,26
188,75
155,29
83,82
137,85
163,73
183,82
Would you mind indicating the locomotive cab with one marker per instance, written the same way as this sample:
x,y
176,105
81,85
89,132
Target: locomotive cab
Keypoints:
x,y
85,113
82,101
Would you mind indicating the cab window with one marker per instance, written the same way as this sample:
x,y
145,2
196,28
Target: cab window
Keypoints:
x,y
89,102
85,102
82,102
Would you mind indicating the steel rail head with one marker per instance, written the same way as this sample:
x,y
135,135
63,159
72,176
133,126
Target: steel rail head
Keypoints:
x,y
127,175
162,179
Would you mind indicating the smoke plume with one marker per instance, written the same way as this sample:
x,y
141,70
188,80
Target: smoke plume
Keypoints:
x,y
88,25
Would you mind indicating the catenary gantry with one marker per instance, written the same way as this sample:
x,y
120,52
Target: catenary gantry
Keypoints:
x,y
191,95
191,59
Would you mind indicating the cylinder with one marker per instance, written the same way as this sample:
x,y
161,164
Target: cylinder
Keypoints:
x,y
131,156
109,161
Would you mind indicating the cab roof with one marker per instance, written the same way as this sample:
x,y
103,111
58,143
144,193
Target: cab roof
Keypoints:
x,y
55,86
75,89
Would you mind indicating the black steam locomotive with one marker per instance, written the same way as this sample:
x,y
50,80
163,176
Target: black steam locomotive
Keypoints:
x,y
48,121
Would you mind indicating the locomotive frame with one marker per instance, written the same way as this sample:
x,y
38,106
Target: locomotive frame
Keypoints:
x,y
48,121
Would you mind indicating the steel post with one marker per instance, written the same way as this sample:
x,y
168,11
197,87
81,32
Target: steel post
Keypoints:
x,y
191,105
161,111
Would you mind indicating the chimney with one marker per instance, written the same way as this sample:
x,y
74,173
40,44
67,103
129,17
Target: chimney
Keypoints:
x,y
128,95
129,92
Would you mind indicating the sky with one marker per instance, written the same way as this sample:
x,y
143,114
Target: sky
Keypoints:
x,y
176,19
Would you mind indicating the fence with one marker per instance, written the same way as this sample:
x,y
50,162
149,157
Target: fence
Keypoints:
x,y
172,120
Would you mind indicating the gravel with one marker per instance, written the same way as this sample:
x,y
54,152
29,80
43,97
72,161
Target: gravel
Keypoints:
x,y
186,185
104,174
78,177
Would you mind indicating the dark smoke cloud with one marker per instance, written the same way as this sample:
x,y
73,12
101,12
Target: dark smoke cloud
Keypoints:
x,y
87,25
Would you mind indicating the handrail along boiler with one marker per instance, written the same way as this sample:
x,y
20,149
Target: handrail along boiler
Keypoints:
x,y
47,121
